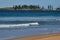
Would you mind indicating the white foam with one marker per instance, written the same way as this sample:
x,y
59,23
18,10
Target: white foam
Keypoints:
x,y
17,25
34,23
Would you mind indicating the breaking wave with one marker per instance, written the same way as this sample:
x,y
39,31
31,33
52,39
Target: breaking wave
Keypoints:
x,y
18,25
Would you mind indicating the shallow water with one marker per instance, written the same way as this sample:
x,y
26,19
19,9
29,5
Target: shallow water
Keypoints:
x,y
49,22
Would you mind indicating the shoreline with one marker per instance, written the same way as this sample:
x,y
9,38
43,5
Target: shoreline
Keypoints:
x,y
31,10
53,36
10,8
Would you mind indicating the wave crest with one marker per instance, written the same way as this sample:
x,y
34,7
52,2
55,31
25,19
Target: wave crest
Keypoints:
x,y
18,25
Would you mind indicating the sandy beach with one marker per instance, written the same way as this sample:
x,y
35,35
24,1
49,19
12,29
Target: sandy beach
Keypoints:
x,y
41,37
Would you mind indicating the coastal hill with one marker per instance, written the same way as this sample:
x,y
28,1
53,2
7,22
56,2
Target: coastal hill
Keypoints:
x,y
6,8
29,7
23,7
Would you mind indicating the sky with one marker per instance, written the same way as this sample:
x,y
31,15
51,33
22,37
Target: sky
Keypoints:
x,y
45,3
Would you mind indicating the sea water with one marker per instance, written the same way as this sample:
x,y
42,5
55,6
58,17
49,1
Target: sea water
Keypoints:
x,y
20,23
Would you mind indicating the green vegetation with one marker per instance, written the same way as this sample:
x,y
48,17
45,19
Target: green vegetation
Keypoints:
x,y
58,8
26,7
50,7
29,7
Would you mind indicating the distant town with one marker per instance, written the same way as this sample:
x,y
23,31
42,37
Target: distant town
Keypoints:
x,y
30,7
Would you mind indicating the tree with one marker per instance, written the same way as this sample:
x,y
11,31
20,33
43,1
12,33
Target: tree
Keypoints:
x,y
15,7
25,6
42,8
19,7
33,7
58,8
50,7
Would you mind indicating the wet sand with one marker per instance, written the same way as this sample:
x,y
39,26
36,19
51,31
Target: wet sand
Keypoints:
x,y
40,37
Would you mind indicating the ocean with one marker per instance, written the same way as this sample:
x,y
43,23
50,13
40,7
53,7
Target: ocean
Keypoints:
x,y
21,23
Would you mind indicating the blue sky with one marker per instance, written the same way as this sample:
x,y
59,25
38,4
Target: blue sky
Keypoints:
x,y
45,3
